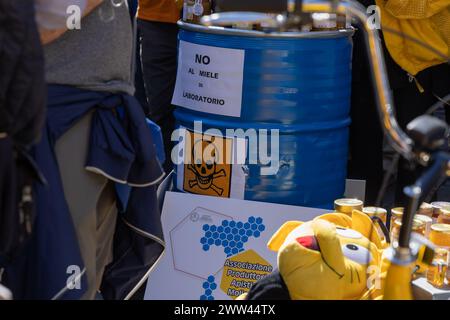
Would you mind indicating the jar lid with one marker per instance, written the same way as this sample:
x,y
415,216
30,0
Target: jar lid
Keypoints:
x,y
440,204
426,205
426,209
374,211
417,224
347,205
440,252
397,212
445,211
441,228
423,218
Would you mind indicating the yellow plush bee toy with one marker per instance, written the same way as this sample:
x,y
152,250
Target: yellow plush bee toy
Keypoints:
x,y
334,256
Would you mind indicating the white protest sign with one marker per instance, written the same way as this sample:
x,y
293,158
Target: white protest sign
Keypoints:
x,y
216,247
209,79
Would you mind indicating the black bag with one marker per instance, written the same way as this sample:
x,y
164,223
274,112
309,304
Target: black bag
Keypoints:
x,y
17,212
22,113
22,74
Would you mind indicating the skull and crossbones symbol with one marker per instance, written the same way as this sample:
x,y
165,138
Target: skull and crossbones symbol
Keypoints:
x,y
205,170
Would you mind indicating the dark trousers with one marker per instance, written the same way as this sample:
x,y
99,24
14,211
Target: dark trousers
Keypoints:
x,y
410,103
447,114
366,137
8,197
158,47
17,210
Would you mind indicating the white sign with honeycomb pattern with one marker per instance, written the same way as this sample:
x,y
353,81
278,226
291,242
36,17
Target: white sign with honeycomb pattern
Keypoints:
x,y
216,247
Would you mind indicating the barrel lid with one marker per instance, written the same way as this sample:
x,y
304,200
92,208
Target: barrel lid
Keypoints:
x,y
230,18
253,33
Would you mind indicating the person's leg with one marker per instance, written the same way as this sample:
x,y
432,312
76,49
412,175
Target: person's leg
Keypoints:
x,y
410,103
106,224
8,198
441,87
158,43
82,190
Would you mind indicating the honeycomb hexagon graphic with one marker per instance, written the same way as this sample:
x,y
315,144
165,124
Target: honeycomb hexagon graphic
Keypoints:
x,y
209,285
231,235
190,233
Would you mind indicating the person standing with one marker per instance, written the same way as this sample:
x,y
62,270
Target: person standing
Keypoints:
x,y
416,41
95,137
158,46
417,37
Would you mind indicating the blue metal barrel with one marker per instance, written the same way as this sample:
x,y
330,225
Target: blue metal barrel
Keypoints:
x,y
300,84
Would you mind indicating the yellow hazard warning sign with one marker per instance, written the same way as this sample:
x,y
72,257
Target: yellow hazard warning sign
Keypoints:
x,y
208,168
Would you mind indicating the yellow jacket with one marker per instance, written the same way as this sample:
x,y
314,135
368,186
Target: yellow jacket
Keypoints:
x,y
426,20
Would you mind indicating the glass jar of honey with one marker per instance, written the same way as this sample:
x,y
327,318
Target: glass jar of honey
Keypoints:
x,y
380,213
417,227
376,212
440,234
426,209
428,222
396,214
438,271
437,206
348,205
444,215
